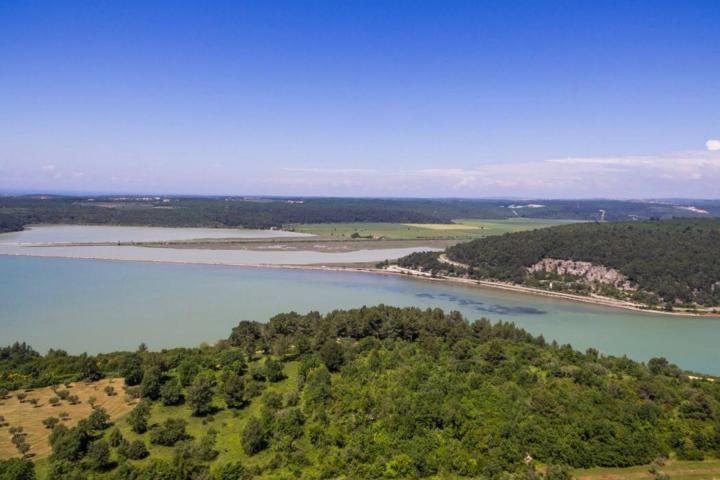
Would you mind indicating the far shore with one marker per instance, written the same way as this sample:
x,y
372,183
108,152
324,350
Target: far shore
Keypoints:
x,y
407,273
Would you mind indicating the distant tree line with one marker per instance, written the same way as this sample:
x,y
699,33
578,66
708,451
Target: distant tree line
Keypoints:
x,y
10,223
16,211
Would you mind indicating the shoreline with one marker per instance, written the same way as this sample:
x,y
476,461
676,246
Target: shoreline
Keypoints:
x,y
405,273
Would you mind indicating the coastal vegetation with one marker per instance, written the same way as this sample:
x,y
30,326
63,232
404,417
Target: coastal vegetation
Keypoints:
x,y
665,264
375,392
10,223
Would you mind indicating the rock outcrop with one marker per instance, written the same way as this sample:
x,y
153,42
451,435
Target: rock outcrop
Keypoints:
x,y
585,270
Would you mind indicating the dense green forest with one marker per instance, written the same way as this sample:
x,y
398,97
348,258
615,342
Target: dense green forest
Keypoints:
x,y
376,392
10,223
276,212
671,261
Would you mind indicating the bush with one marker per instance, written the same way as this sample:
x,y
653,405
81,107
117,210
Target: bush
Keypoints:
x,y
135,450
17,469
151,383
98,455
234,391
138,418
254,437
115,439
171,392
50,422
230,471
274,371
169,433
99,419
200,395
332,355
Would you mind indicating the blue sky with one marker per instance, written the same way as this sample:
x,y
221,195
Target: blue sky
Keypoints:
x,y
366,98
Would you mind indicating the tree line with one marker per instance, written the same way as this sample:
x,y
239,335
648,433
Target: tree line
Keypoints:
x,y
16,211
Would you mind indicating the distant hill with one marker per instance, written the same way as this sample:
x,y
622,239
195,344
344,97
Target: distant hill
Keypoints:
x,y
671,262
265,212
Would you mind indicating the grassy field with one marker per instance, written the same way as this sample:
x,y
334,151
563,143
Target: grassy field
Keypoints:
x,y
677,470
25,414
464,229
228,424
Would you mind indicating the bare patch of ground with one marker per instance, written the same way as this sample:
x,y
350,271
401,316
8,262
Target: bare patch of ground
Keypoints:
x,y
24,414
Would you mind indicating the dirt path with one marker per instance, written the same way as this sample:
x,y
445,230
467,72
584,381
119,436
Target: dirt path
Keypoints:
x,y
443,258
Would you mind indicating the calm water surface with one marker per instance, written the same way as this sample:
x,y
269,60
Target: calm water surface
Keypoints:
x,y
90,305
52,240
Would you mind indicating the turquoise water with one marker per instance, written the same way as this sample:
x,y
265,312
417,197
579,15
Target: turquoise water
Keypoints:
x,y
52,240
94,306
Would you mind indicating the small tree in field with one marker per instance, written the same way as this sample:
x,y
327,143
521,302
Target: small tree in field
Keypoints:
x,y
115,439
234,391
98,455
253,437
171,392
138,418
200,395
23,447
274,371
50,422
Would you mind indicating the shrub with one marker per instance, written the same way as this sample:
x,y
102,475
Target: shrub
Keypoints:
x,y
169,433
115,439
200,395
230,471
135,450
138,418
171,392
253,437
234,391
274,371
98,455
50,422
99,419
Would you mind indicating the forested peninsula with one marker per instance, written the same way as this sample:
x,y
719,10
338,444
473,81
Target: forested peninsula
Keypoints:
x,y
666,264
375,392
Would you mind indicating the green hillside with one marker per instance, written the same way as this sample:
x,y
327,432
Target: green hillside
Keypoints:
x,y
672,262
376,392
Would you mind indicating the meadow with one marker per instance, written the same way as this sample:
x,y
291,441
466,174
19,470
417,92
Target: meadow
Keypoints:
x,y
462,229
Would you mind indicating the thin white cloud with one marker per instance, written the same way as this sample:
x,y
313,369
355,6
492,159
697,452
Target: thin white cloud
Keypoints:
x,y
713,144
690,173
339,171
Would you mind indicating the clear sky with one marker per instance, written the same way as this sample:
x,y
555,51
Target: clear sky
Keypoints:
x,y
367,98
